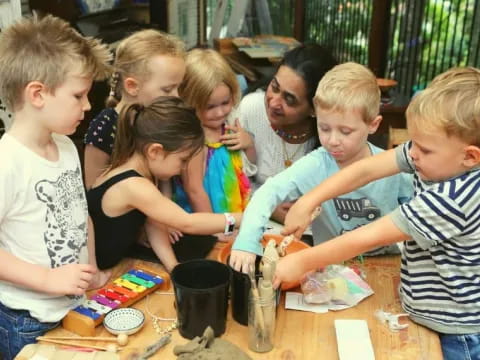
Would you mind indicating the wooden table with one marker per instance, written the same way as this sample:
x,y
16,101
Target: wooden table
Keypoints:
x,y
301,335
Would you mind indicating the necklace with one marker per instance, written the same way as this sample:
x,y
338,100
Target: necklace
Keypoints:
x,y
288,159
162,331
156,319
285,135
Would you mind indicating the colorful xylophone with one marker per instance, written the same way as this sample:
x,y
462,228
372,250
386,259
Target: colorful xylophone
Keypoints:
x,y
122,292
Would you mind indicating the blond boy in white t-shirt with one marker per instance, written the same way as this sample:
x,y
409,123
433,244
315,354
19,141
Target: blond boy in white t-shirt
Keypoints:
x,y
47,72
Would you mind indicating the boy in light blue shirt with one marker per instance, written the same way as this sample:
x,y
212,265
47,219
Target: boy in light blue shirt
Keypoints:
x,y
346,104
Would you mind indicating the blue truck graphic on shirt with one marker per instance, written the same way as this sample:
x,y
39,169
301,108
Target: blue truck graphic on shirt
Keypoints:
x,y
359,208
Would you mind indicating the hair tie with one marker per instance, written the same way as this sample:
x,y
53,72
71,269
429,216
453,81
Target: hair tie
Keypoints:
x,y
113,84
138,109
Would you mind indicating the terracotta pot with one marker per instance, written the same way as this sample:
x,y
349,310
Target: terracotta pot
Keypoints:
x,y
294,246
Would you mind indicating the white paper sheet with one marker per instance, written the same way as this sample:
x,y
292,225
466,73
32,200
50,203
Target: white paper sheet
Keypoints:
x,y
353,340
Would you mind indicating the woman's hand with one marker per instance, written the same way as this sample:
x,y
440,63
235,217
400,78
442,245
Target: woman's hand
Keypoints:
x,y
236,138
240,260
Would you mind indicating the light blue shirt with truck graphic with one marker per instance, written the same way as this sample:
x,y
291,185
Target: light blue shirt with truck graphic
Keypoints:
x,y
338,215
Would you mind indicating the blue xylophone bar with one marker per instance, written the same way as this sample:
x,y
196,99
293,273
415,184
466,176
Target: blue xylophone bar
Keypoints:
x,y
143,275
87,312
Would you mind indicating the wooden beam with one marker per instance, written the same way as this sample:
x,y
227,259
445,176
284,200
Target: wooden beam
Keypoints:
x,y
299,22
159,14
202,22
378,39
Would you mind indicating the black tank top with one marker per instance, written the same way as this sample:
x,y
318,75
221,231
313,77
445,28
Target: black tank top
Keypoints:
x,y
113,235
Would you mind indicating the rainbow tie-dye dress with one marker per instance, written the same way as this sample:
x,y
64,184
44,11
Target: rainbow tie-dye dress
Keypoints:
x,y
225,183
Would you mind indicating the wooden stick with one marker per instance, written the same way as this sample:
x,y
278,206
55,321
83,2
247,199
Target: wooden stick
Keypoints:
x,y
121,339
265,291
109,348
256,298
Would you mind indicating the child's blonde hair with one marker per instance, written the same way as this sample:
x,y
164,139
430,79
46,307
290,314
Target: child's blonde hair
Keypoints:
x,y
133,54
207,69
451,103
46,50
349,86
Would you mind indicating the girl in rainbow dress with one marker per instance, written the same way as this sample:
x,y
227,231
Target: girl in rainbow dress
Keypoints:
x,y
215,180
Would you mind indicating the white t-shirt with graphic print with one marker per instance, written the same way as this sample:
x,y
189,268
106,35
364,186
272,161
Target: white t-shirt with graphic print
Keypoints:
x,y
43,220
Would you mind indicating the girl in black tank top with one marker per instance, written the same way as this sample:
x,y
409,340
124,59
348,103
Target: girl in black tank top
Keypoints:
x,y
152,143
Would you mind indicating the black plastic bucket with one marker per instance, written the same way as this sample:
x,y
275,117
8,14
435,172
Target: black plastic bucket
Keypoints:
x,y
201,296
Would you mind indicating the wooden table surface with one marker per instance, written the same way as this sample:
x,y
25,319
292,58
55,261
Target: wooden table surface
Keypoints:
x,y
299,335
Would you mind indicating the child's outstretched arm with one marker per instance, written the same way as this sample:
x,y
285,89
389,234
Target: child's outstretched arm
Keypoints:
x,y
140,193
165,187
382,232
287,185
346,180
71,279
192,180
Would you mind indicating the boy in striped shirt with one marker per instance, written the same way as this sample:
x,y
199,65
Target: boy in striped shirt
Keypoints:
x,y
440,226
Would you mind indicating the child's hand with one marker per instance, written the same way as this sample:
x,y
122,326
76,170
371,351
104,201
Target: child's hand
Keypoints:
x,y
297,220
71,279
241,260
174,235
236,138
289,269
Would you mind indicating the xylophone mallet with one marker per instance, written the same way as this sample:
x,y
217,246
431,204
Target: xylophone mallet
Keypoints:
x,y
110,347
121,339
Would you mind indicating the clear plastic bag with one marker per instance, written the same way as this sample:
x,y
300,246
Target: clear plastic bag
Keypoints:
x,y
336,285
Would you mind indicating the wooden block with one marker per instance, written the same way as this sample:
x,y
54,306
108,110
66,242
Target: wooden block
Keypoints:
x,y
79,324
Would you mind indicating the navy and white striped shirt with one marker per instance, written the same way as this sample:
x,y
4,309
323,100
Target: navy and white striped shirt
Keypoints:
x,y
440,271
